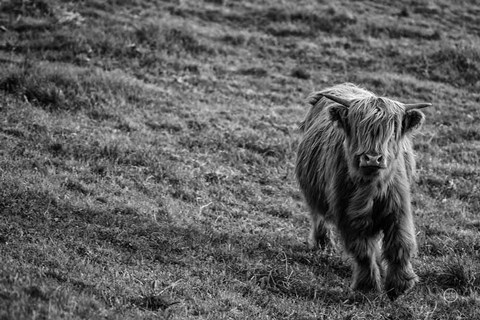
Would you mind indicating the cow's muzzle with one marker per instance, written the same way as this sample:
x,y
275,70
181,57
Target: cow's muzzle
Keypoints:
x,y
373,161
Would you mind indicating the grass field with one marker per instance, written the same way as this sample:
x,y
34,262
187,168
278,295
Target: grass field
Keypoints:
x,y
147,155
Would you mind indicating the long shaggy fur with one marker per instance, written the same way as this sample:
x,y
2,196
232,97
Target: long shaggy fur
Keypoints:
x,y
362,207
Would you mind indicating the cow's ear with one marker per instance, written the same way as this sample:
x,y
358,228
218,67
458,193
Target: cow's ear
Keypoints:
x,y
412,120
339,115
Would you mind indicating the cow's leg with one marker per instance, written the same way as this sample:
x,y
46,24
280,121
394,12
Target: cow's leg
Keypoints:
x,y
366,269
399,247
360,238
320,233
379,260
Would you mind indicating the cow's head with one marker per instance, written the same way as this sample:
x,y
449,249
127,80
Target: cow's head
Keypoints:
x,y
374,128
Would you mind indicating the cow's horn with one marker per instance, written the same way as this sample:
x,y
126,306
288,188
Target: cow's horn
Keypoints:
x,y
416,106
344,102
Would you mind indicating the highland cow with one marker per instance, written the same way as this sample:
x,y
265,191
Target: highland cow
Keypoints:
x,y
354,166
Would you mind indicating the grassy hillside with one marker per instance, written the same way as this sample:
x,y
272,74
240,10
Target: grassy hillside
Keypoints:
x,y
147,152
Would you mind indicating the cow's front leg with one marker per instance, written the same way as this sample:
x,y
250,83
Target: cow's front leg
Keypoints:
x,y
366,269
360,240
399,247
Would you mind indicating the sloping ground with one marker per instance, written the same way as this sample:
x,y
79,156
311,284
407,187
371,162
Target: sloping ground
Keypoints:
x,y
147,154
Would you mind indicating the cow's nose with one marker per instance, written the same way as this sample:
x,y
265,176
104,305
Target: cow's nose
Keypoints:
x,y
372,160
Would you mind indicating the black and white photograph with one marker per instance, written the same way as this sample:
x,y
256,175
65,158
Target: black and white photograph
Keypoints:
x,y
240,159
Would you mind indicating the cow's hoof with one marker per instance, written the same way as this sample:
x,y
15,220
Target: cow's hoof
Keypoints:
x,y
366,279
366,285
323,242
398,284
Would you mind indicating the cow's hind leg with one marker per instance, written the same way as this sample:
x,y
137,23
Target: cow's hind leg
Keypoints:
x,y
320,232
366,270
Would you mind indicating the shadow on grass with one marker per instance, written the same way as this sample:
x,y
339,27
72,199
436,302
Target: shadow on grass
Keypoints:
x,y
127,237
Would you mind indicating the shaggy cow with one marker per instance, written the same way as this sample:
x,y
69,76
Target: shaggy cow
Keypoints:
x,y
354,166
